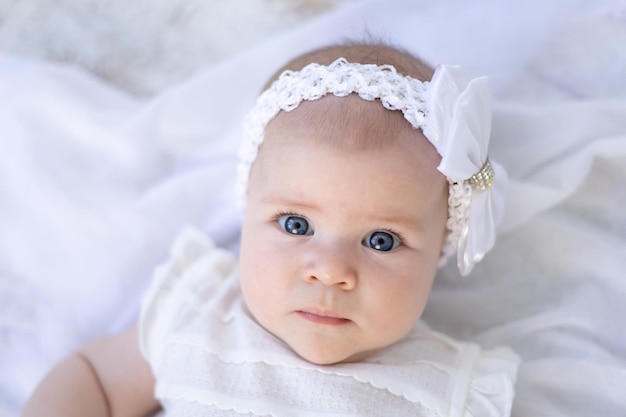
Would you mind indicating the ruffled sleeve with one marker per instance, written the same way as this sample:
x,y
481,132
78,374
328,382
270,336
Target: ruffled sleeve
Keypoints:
x,y
191,276
491,388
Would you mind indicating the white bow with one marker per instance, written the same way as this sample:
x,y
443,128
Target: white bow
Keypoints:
x,y
458,124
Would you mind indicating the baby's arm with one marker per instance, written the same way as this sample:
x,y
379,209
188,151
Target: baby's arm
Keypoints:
x,y
108,377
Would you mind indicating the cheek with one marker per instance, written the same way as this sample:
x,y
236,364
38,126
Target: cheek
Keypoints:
x,y
409,299
260,269
254,288
403,298
250,268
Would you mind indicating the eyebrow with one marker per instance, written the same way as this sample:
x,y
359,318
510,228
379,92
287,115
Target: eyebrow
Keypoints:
x,y
409,222
399,221
283,201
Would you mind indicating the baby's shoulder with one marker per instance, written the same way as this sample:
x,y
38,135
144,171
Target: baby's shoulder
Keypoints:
x,y
194,263
197,277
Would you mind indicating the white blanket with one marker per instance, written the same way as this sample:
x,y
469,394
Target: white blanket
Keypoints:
x,y
94,184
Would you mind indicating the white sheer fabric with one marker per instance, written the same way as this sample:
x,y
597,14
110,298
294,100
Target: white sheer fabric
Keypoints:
x,y
94,186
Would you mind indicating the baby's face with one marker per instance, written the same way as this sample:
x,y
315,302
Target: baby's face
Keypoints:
x,y
340,244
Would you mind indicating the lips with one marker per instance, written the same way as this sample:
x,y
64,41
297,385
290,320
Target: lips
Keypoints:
x,y
322,317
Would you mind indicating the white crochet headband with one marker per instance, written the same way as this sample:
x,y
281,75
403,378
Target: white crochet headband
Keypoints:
x,y
454,113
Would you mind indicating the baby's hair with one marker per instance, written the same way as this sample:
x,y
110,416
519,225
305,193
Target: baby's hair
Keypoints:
x,y
376,52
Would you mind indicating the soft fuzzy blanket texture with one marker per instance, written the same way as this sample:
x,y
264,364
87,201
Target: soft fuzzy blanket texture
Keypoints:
x,y
145,46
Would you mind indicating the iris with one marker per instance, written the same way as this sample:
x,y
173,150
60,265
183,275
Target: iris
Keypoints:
x,y
294,225
382,241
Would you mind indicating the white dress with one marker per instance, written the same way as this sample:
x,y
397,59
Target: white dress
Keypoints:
x,y
210,358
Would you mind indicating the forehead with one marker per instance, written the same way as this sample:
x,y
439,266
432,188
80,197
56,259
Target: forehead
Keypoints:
x,y
349,144
345,122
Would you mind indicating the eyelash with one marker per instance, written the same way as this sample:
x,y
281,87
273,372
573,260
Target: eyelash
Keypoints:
x,y
396,234
281,213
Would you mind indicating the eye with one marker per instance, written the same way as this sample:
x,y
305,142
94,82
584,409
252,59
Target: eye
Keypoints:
x,y
295,225
382,241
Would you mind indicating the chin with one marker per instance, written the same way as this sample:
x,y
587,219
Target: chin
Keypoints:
x,y
321,356
324,357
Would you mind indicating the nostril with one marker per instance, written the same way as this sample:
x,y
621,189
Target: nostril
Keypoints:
x,y
348,284
344,282
331,268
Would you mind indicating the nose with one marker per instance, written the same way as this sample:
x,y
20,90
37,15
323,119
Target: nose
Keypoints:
x,y
332,266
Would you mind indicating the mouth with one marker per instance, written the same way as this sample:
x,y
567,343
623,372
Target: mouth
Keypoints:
x,y
322,317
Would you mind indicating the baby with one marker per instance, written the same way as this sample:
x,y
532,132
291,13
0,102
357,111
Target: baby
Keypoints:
x,y
362,170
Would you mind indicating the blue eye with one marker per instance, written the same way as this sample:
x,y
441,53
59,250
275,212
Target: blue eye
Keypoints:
x,y
295,225
382,241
